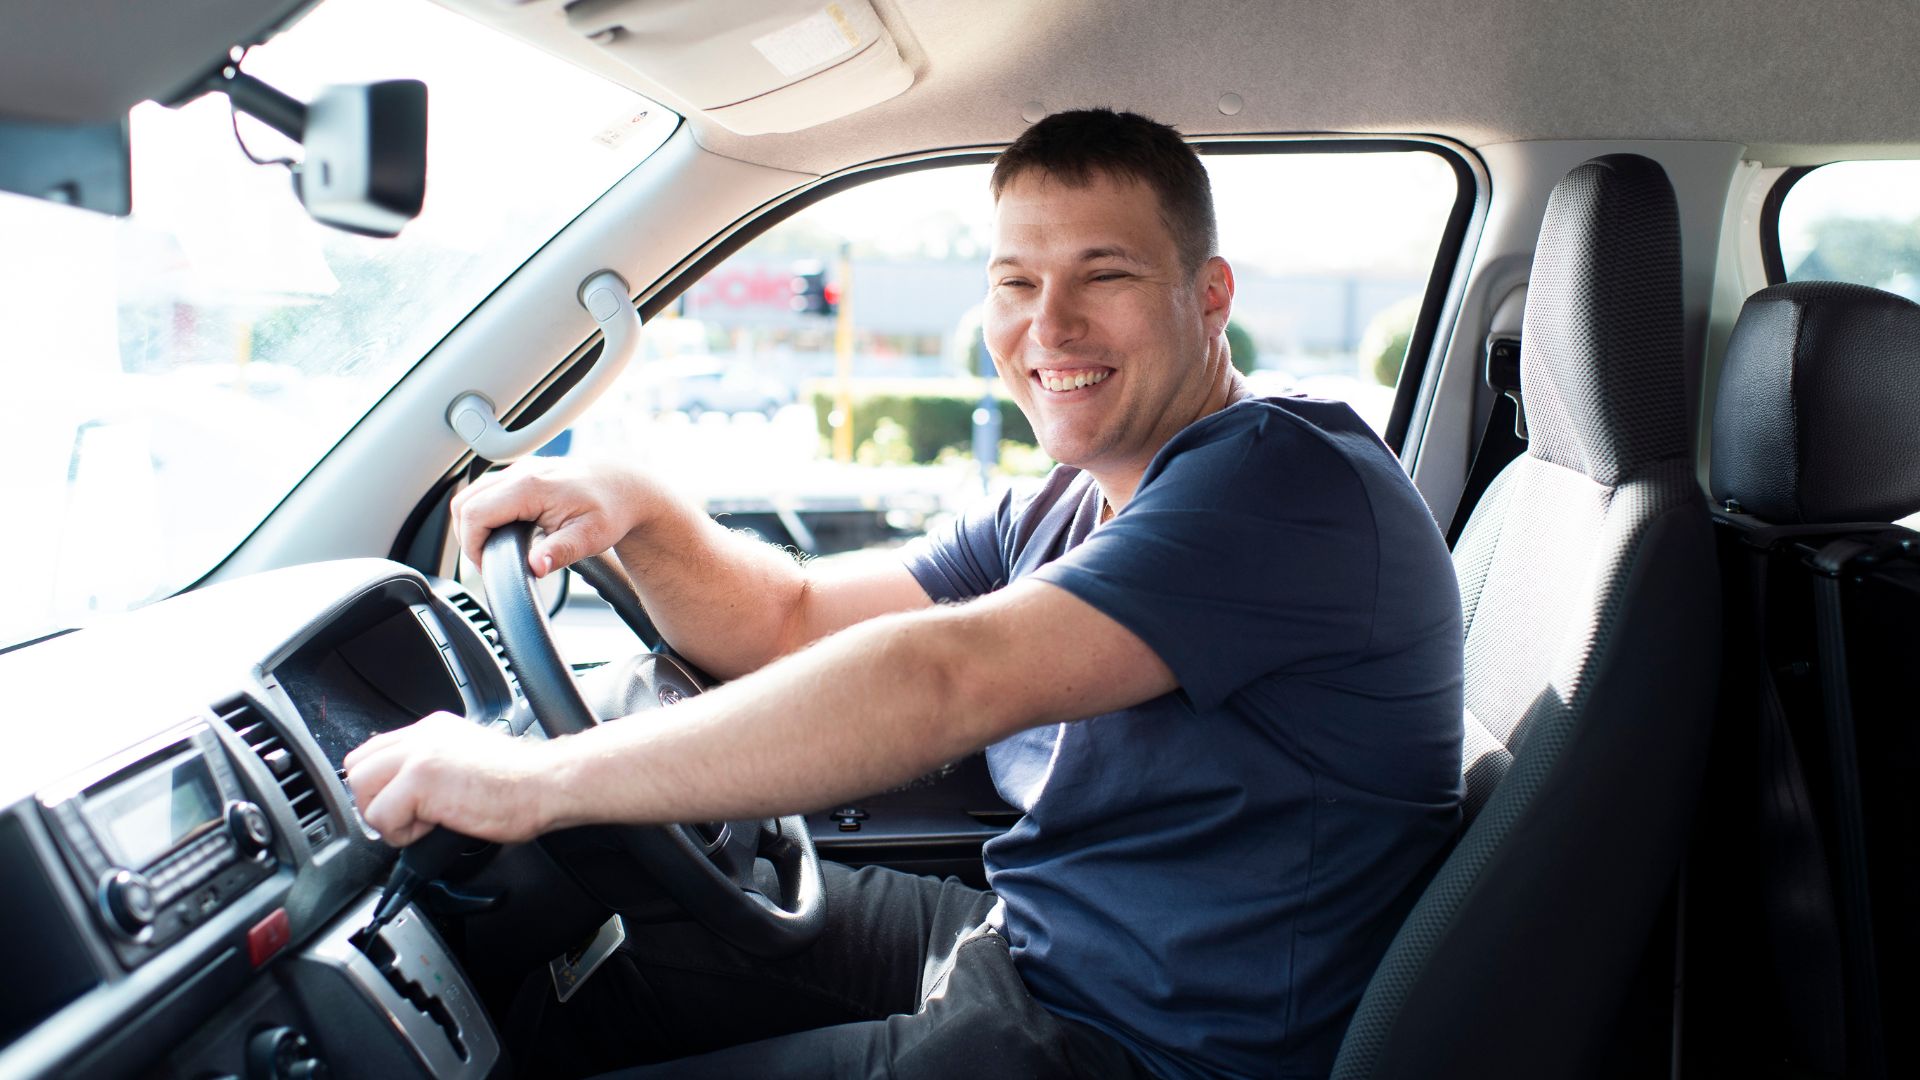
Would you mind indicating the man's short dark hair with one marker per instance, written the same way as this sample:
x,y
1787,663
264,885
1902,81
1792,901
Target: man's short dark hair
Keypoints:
x,y
1075,147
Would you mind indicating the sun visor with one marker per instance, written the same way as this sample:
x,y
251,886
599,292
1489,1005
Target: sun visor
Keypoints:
x,y
752,66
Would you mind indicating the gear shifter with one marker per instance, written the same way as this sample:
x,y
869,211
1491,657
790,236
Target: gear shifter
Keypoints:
x,y
420,862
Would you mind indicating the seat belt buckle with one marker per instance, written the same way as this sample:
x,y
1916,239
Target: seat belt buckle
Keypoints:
x,y
1502,373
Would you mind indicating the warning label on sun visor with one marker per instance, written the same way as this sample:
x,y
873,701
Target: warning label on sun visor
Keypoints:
x,y
831,34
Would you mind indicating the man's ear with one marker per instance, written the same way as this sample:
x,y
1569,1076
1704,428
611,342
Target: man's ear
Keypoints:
x,y
1215,282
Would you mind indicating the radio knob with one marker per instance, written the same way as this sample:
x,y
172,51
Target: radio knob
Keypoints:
x,y
252,832
126,899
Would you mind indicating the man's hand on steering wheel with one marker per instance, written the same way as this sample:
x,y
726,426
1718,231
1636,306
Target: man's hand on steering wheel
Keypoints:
x,y
583,508
447,770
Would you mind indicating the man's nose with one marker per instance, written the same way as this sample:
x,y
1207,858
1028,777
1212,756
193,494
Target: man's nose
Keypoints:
x,y
1058,320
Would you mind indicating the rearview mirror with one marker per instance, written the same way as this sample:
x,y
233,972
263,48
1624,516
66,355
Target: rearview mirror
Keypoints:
x,y
364,166
365,169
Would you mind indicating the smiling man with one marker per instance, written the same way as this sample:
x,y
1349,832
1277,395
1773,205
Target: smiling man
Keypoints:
x,y
1215,660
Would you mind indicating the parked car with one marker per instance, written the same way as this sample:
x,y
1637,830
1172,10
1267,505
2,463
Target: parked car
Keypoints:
x,y
734,388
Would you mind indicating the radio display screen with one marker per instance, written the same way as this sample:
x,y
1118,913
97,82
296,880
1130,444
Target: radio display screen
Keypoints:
x,y
145,817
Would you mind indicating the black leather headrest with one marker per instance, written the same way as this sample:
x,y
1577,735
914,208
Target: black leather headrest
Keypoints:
x,y
1602,346
1818,415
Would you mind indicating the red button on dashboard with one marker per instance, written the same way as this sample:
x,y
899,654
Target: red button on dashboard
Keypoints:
x,y
268,936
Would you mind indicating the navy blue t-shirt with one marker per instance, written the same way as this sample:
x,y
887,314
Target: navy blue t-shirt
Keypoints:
x,y
1211,876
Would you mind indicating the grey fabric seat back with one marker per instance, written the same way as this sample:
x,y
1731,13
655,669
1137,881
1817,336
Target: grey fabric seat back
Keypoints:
x,y
1590,597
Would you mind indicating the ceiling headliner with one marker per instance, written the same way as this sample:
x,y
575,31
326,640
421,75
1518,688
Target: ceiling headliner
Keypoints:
x,y
91,60
1796,82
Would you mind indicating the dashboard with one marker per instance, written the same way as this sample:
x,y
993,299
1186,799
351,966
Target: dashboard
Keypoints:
x,y
185,872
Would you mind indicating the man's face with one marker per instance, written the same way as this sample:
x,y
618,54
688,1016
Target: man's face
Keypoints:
x,y
1097,328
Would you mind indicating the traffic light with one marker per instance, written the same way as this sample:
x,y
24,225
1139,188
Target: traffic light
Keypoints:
x,y
811,293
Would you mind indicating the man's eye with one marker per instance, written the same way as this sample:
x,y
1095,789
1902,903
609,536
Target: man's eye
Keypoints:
x,y
1015,283
1109,275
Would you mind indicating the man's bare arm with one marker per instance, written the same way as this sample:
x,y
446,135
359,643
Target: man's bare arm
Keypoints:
x,y
729,603
733,604
865,709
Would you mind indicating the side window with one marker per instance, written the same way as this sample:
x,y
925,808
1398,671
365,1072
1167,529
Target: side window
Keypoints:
x,y
1331,256
1855,221
826,388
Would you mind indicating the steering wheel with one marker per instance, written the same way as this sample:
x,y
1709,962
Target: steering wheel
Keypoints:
x,y
710,870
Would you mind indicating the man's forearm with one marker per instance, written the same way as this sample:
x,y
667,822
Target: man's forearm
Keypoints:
x,y
724,600
862,711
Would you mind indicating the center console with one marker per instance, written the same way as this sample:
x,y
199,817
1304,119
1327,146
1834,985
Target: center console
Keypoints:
x,y
161,839
186,886
394,1005
402,979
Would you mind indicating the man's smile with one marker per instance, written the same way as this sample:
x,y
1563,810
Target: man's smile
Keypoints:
x,y
1070,380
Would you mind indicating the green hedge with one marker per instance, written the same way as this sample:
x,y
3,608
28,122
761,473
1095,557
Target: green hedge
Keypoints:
x,y
1240,345
933,421
1383,345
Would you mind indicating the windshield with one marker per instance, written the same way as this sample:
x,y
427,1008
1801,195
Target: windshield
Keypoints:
x,y
173,374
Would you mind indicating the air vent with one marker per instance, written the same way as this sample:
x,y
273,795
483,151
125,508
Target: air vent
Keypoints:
x,y
470,610
265,740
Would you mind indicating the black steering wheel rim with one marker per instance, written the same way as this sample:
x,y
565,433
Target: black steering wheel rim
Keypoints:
x,y
709,874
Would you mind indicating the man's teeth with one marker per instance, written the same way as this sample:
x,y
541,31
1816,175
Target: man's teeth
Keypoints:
x,y
1074,381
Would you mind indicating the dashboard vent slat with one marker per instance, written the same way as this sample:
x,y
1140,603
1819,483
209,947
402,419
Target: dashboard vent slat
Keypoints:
x,y
470,610
256,730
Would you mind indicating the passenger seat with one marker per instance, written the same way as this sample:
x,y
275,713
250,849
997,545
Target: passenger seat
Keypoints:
x,y
1591,604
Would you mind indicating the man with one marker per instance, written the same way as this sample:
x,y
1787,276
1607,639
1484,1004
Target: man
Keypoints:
x,y
1216,660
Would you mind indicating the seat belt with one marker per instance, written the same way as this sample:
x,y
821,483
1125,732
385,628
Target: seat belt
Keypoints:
x,y
1831,563
1797,896
1821,980
1505,436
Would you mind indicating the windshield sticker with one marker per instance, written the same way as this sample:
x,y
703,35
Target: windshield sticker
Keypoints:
x,y
620,130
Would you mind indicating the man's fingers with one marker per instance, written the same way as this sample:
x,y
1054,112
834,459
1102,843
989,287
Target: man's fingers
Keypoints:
x,y
411,833
487,510
441,718
371,746
416,799
387,738
458,510
577,506
475,523
563,547
372,765
373,771
473,542
443,769
396,811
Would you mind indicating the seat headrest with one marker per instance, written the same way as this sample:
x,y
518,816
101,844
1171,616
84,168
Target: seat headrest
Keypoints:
x,y
1602,342
1815,421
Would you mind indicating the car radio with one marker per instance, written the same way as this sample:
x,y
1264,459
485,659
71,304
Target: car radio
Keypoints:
x,y
163,842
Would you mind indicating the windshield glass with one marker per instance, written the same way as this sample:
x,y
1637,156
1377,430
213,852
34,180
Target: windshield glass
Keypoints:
x,y
173,374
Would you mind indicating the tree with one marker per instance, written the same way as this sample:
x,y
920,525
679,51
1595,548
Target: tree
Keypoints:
x,y
1383,344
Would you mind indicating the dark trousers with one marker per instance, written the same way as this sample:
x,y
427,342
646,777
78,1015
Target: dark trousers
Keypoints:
x,y
907,981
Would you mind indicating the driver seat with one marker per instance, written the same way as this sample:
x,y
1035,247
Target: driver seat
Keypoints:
x,y
1590,595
